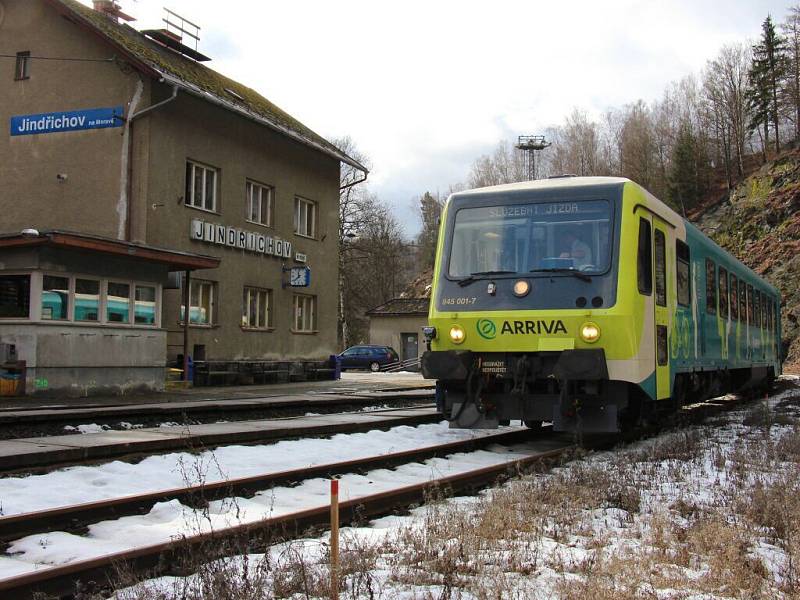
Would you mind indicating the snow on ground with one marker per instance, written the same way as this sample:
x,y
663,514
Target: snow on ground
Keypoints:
x,y
704,513
77,484
169,520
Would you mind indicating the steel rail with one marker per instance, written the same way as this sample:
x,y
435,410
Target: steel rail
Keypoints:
x,y
68,454
76,516
98,573
17,416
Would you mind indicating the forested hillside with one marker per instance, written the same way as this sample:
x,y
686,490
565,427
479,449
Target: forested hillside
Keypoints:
x,y
759,222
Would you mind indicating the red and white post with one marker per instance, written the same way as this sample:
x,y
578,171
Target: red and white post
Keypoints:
x,y
334,539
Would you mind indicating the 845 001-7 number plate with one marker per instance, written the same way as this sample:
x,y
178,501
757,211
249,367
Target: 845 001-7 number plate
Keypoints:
x,y
461,301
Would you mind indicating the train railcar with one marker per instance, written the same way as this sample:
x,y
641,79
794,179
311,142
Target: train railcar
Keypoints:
x,y
589,303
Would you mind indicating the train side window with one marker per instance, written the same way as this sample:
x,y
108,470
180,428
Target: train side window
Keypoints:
x,y
661,269
734,298
682,271
644,262
750,306
723,293
711,287
758,308
742,301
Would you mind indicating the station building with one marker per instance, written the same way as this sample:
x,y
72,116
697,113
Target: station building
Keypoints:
x,y
133,167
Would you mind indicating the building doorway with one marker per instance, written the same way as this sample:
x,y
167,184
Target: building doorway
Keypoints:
x,y
410,346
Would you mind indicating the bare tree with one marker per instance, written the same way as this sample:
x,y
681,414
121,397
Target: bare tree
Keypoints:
x,y
637,146
357,208
505,165
724,88
576,146
791,32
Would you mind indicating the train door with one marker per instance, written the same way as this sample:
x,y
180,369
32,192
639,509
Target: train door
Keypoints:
x,y
663,277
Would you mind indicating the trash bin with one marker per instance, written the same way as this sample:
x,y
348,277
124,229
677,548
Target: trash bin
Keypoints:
x,y
336,365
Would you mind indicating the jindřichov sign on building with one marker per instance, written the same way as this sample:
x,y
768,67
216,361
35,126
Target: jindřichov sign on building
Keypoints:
x,y
232,237
74,120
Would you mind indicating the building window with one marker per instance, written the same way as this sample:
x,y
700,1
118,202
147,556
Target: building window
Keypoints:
x,y
201,303
55,298
259,203
682,272
305,318
87,299
711,287
201,186
15,294
644,261
118,302
305,217
257,308
144,305
22,69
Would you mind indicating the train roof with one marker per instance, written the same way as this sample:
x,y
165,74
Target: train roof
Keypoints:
x,y
544,184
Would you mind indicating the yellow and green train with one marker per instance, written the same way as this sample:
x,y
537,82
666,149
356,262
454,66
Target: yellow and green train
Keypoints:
x,y
588,302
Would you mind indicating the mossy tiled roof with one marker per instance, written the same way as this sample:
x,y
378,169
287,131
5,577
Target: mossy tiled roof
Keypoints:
x,y
194,77
401,306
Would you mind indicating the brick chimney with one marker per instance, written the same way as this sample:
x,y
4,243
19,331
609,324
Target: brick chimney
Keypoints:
x,y
111,9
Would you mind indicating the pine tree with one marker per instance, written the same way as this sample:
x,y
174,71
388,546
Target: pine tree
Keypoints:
x,y
683,189
430,209
767,74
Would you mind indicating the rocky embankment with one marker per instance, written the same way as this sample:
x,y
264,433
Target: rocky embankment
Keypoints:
x,y
759,222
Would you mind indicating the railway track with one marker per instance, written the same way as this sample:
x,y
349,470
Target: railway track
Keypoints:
x,y
164,557
171,556
44,453
29,422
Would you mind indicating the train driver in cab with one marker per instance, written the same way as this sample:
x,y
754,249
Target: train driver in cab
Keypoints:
x,y
577,250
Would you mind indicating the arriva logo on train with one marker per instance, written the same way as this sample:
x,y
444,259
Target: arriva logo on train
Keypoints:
x,y
487,329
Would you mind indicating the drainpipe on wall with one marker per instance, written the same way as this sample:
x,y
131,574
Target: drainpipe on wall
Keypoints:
x,y
127,184
186,327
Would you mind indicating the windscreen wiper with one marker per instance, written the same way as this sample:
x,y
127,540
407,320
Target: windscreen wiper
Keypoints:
x,y
480,274
580,275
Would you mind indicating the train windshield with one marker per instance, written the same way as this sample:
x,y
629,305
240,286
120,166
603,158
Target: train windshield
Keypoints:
x,y
523,238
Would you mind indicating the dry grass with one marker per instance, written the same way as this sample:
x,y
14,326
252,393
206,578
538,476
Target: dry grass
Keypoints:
x,y
708,512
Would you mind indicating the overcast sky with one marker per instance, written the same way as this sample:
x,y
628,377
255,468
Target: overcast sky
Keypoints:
x,y
425,87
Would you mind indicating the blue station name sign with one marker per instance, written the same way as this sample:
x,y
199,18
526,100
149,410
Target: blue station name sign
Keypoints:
x,y
74,120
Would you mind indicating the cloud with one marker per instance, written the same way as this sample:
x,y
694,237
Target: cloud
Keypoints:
x,y
425,87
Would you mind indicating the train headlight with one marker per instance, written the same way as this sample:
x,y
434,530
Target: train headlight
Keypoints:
x,y
521,288
457,334
590,332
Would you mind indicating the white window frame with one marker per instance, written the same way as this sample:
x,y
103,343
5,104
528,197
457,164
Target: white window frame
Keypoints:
x,y
131,293
263,302
37,293
156,308
264,196
101,301
302,208
191,167
212,309
304,313
70,296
